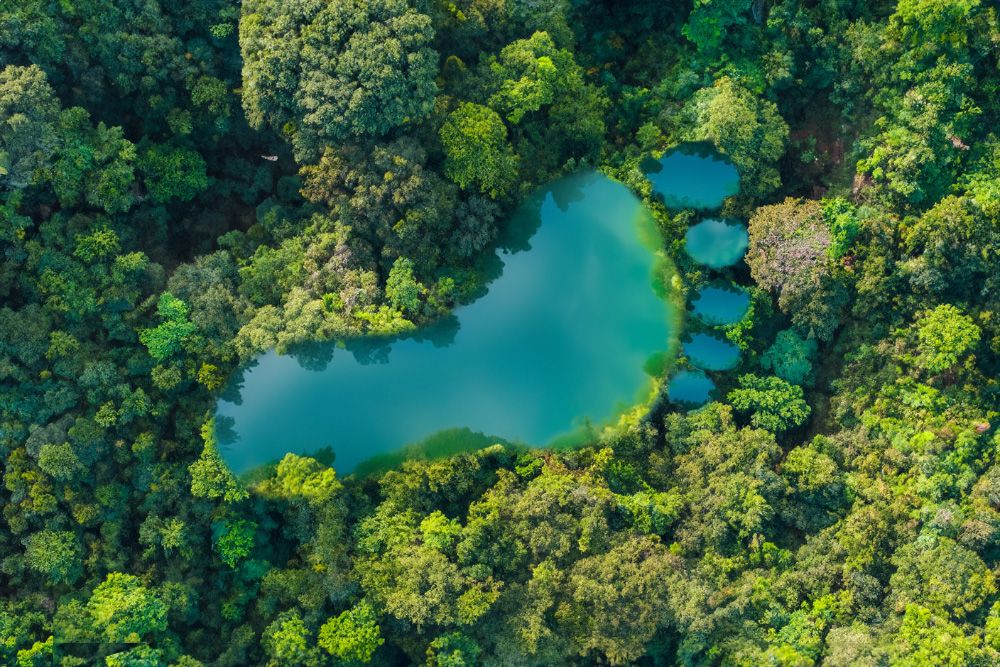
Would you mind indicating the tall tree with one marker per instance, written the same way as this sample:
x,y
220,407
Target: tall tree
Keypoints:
x,y
28,112
789,255
477,153
319,73
743,126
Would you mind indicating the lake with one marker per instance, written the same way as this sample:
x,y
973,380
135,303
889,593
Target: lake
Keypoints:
x,y
559,342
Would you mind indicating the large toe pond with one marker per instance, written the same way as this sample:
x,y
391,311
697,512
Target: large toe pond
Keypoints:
x,y
560,341
693,176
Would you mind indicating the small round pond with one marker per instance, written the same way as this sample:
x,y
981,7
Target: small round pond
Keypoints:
x,y
719,305
711,353
690,388
716,243
559,342
693,175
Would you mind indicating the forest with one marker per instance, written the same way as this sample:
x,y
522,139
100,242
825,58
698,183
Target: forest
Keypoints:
x,y
186,184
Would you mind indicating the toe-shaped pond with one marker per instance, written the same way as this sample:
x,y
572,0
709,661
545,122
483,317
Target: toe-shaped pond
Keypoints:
x,y
719,305
711,353
693,175
559,341
690,389
717,243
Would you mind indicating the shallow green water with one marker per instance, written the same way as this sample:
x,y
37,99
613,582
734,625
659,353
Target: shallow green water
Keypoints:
x,y
716,243
559,341
720,305
693,175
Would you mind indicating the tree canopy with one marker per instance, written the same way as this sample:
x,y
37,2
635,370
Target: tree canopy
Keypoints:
x,y
186,185
320,73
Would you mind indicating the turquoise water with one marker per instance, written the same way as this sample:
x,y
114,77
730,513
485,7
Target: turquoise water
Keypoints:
x,y
693,175
721,305
559,341
690,388
716,243
711,353
697,177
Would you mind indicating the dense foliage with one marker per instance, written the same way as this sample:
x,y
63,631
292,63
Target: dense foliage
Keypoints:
x,y
186,184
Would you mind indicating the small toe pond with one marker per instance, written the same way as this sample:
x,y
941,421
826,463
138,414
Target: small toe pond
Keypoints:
x,y
716,243
711,353
690,388
559,341
720,305
693,175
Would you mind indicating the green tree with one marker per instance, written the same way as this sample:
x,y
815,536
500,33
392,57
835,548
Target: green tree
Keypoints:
x,y
123,610
710,20
60,461
140,656
728,479
452,650
941,575
815,486
39,655
323,73
28,112
934,21
476,150
391,200
234,540
789,254
773,403
790,357
844,224
554,113
944,336
172,173
919,147
402,289
353,636
311,501
168,337
210,476
616,601
56,554
288,642
746,128
93,165
927,639
947,249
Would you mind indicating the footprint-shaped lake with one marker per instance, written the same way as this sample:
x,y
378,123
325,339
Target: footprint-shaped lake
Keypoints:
x,y
559,341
